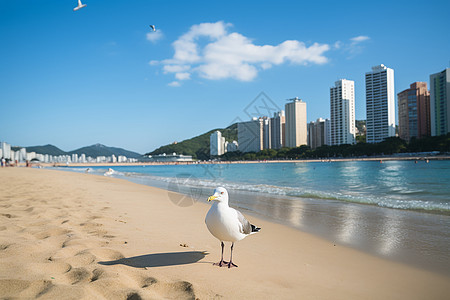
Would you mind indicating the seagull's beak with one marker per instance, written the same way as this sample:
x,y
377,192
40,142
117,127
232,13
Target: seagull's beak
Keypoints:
x,y
211,198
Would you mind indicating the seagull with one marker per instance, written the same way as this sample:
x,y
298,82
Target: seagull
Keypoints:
x,y
153,27
226,223
80,5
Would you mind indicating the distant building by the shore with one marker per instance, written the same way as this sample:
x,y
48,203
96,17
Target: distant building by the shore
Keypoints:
x,y
296,123
278,130
414,112
250,135
440,102
216,144
319,133
342,113
21,155
380,104
169,158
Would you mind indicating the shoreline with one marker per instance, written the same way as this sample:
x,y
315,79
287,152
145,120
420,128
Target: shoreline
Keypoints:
x,y
122,239
375,158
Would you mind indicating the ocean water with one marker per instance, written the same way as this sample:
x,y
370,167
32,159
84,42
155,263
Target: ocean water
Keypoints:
x,y
399,210
392,184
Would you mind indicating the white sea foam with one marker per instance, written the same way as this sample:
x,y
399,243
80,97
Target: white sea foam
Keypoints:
x,y
304,193
362,195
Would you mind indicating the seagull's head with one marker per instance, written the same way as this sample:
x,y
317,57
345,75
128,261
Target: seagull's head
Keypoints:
x,y
220,195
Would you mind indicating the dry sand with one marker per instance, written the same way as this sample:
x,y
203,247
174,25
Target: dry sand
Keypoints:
x,y
79,236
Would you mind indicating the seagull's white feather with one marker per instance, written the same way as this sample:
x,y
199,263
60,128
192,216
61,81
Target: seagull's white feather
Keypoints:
x,y
226,223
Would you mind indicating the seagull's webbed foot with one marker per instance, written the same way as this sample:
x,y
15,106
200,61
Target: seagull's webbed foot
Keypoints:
x,y
221,263
231,265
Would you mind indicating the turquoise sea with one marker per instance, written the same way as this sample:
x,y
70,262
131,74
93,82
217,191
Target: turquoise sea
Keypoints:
x,y
399,210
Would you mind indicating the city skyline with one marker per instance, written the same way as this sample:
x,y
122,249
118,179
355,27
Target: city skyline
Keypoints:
x,y
99,75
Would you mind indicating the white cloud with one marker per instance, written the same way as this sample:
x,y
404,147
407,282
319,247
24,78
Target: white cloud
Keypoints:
x,y
359,39
355,46
174,84
337,45
154,36
182,75
175,68
352,47
232,55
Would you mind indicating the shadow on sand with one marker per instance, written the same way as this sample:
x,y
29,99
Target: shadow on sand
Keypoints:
x,y
158,259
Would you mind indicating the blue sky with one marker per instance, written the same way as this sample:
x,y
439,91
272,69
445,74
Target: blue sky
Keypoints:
x,y
99,75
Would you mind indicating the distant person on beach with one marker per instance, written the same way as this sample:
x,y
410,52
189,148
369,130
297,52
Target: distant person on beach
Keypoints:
x,y
3,162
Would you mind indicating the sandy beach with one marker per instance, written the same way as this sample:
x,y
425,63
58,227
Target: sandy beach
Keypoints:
x,y
67,235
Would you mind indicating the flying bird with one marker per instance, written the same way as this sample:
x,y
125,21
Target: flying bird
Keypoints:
x,y
227,224
80,5
153,27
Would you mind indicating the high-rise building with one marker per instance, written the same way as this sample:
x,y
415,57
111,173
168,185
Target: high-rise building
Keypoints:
x,y
6,150
296,129
380,104
317,133
267,133
327,131
440,102
414,112
217,143
342,112
278,130
23,154
250,135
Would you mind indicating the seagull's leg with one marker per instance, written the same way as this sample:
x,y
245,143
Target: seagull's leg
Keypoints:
x,y
221,262
230,264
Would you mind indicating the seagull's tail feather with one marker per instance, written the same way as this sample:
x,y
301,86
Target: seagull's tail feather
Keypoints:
x,y
255,229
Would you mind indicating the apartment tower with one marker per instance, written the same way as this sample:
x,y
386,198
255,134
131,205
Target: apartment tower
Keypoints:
x,y
278,130
380,104
216,144
250,135
414,112
342,112
296,129
440,102
317,133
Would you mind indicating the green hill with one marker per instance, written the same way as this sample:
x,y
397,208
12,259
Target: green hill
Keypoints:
x,y
46,149
102,150
197,146
92,151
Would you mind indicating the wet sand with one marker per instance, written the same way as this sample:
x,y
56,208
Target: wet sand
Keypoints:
x,y
66,235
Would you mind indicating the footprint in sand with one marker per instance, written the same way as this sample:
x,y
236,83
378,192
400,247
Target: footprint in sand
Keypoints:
x,y
50,232
107,254
9,216
174,290
97,274
51,267
148,281
79,275
24,288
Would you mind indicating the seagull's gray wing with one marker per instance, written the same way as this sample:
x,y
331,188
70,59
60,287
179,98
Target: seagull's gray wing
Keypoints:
x,y
244,225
